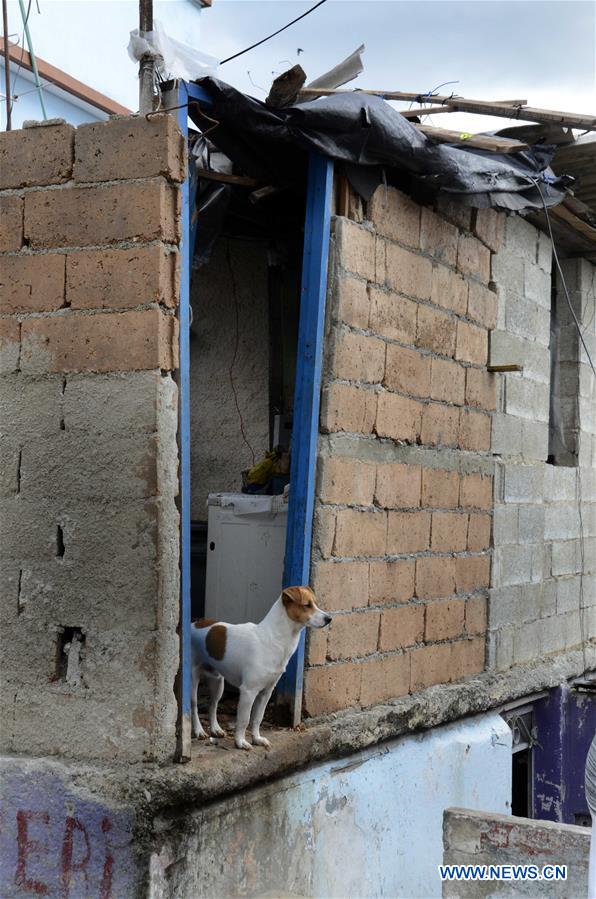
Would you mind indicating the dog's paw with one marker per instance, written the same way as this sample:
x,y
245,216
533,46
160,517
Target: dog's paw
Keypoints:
x,y
243,744
261,741
200,735
218,732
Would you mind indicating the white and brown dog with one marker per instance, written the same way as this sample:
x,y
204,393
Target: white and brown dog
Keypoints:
x,y
251,657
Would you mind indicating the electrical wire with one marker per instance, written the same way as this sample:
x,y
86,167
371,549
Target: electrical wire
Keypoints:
x,y
275,33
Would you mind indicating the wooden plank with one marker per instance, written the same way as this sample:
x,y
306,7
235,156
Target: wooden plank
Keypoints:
x,y
565,215
479,141
395,95
239,180
485,107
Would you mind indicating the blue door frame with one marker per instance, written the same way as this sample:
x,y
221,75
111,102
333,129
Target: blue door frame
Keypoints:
x,y
306,405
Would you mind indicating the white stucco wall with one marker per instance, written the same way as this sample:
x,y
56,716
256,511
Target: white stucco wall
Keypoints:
x,y
365,826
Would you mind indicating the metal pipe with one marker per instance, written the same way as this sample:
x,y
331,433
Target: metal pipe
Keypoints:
x,y
146,63
6,67
33,59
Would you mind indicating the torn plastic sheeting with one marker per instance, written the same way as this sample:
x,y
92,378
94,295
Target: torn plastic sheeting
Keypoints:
x,y
270,144
174,59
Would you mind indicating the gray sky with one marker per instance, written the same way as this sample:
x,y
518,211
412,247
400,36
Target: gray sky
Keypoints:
x,y
538,50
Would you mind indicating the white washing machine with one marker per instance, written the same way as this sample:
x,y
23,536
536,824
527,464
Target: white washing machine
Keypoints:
x,y
246,537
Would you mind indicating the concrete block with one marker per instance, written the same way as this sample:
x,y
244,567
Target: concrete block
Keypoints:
x,y
535,440
537,285
566,557
11,223
528,320
30,407
506,348
521,238
528,642
561,522
524,483
507,271
506,435
10,344
572,628
36,156
116,403
559,484
10,457
395,215
505,524
568,594
500,649
355,248
27,531
527,399
100,279
531,523
545,252
512,565
505,607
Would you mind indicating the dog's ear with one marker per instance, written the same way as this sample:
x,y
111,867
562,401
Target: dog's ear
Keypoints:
x,y
300,595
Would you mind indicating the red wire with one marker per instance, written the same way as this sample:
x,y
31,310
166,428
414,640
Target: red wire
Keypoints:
x,y
236,345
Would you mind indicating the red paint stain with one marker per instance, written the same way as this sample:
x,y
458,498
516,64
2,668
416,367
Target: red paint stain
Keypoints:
x,y
26,847
68,867
105,890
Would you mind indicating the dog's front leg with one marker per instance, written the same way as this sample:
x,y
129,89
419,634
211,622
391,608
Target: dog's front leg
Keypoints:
x,y
245,704
258,710
197,727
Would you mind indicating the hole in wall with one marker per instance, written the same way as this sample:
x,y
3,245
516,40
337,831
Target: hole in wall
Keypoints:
x,y
60,548
69,652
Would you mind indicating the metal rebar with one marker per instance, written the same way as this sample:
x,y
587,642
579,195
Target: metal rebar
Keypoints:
x,y
146,63
33,59
6,66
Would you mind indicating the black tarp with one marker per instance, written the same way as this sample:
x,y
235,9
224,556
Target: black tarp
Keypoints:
x,y
369,135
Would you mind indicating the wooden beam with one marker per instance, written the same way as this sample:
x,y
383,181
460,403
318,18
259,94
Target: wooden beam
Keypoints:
x,y
563,214
479,141
485,107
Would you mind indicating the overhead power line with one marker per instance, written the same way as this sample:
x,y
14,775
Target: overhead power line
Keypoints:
x,y
279,31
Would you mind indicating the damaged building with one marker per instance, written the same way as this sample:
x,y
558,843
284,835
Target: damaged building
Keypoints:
x,y
320,344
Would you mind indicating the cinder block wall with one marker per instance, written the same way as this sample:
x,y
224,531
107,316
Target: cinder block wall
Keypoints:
x,y
539,603
404,496
88,419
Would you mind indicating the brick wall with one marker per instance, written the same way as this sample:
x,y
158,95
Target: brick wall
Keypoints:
x,y
404,496
537,591
88,410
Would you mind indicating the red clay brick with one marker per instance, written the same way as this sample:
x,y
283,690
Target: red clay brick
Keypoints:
x,y
408,273
355,248
408,532
32,283
397,486
98,279
473,258
384,679
10,344
440,488
489,226
316,646
430,665
36,156
345,407
352,300
435,331
347,481
401,627
444,620
11,223
133,147
392,315
391,581
440,425
341,586
481,389
357,357
476,491
472,573
476,615
395,215
449,532
126,341
479,528
438,237
471,344
467,658
449,289
360,533
89,216
447,381
324,530
435,576
407,371
353,635
474,430
398,417
331,688
482,305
